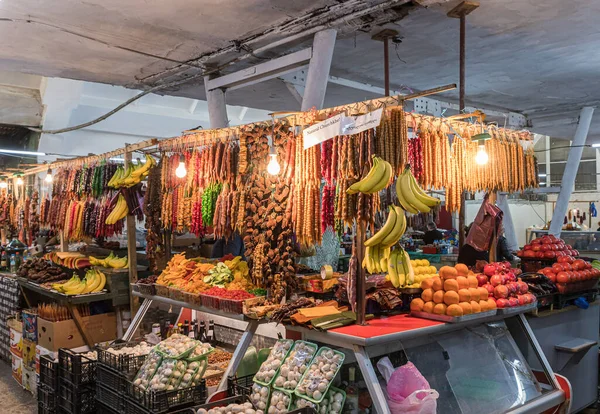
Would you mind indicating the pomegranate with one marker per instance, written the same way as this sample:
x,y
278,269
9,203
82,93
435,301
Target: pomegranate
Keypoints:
x,y
501,291
481,279
489,269
489,288
523,287
496,280
502,303
512,302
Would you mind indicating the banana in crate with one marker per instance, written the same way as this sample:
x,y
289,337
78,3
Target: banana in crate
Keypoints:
x,y
411,196
94,281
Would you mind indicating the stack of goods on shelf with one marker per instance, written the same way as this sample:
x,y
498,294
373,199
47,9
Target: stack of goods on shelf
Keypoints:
x,y
16,346
29,363
76,381
544,251
42,271
110,262
70,260
572,275
10,296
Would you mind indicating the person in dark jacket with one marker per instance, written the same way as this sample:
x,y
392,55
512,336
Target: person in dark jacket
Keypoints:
x,y
503,254
432,234
222,247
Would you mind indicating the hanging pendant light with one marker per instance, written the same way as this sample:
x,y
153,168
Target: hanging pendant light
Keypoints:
x,y
48,178
180,171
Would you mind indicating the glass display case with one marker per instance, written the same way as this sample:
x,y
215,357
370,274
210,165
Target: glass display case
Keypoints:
x,y
587,242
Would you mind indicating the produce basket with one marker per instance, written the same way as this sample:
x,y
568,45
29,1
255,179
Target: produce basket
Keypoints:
x,y
162,401
147,289
211,302
176,294
77,400
123,364
239,385
134,287
47,397
238,306
573,287
162,290
111,399
307,374
49,372
192,298
238,399
104,409
110,379
76,368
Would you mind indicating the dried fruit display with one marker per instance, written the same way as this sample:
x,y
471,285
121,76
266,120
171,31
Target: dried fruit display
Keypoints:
x,y
152,210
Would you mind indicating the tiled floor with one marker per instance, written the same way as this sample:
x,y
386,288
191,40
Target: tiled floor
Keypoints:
x,y
13,398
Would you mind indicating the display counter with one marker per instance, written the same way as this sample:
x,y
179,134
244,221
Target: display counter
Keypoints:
x,y
477,366
569,339
437,260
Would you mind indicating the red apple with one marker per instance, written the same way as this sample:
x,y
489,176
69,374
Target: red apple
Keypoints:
x,y
502,303
489,269
513,302
527,247
489,288
529,253
523,287
481,279
510,277
501,291
496,280
523,300
545,247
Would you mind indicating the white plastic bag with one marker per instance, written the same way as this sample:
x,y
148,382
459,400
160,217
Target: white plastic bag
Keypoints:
x,y
408,391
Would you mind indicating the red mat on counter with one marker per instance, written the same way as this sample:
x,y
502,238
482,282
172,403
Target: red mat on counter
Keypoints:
x,y
385,326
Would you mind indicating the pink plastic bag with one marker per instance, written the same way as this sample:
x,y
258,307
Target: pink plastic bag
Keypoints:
x,y
408,392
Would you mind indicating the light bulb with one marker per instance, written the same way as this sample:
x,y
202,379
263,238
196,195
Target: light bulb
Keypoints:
x,y
180,171
19,180
48,178
3,184
482,156
273,167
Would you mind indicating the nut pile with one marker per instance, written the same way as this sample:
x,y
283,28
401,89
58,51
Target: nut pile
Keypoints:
x,y
245,408
280,402
320,374
269,368
295,365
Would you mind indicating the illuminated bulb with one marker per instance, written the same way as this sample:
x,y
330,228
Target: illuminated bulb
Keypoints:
x,y
48,178
180,171
3,184
482,157
273,167
19,181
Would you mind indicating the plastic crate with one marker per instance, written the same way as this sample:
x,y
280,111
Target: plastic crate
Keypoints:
x,y
110,379
162,290
47,397
111,399
124,364
76,368
103,409
131,407
238,399
146,289
49,372
211,302
176,294
43,409
135,287
163,401
77,400
231,306
239,386
192,298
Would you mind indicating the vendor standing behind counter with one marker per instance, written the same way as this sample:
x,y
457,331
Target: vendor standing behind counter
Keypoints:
x,y
432,234
233,246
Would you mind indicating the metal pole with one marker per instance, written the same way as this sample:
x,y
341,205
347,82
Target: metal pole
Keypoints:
x,y
386,64
134,302
360,273
217,110
461,97
318,70
568,180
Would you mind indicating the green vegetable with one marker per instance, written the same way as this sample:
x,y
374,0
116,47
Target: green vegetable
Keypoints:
x,y
219,275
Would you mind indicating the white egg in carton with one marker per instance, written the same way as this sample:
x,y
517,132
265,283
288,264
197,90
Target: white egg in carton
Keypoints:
x,y
269,368
147,370
140,349
260,396
176,345
295,365
245,408
280,402
321,372
169,375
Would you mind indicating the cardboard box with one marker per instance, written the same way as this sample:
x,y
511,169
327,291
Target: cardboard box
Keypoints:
x,y
28,354
29,380
30,324
16,340
64,334
17,369
39,351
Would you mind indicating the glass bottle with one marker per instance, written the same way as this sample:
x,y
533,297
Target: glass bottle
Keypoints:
x,y
352,392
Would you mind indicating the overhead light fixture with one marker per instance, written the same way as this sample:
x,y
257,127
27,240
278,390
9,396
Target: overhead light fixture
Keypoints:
x,y
3,182
541,175
482,156
273,166
595,145
48,178
542,183
181,172
19,152
20,179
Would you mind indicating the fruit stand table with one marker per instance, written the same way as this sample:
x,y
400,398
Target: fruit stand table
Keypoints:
x,y
460,344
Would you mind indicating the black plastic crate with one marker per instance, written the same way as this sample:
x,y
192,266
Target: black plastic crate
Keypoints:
x,y
76,368
110,379
125,364
103,409
163,401
240,385
131,407
47,397
77,400
43,409
111,399
238,399
49,372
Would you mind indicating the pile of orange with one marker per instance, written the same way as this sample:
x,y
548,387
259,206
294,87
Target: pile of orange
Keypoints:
x,y
454,293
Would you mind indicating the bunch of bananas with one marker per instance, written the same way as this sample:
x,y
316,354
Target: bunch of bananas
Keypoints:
x,y
376,180
376,259
132,175
400,271
93,281
112,261
119,211
411,196
392,230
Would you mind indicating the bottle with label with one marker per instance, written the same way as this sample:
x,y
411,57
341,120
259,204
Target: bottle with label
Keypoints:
x,y
156,329
18,260
352,392
13,264
171,330
192,330
211,332
185,329
4,261
202,334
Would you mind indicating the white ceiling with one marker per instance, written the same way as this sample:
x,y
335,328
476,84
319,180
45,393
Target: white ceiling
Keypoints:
x,y
538,58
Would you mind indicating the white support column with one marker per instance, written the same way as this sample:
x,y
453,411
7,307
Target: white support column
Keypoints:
x,y
318,69
507,223
568,180
217,110
547,148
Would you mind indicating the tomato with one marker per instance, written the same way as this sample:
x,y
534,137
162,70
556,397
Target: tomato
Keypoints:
x,y
562,277
545,240
560,253
536,241
527,247
529,253
536,247
551,276
578,264
568,247
539,255
574,253
545,247
557,267
565,259
549,254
